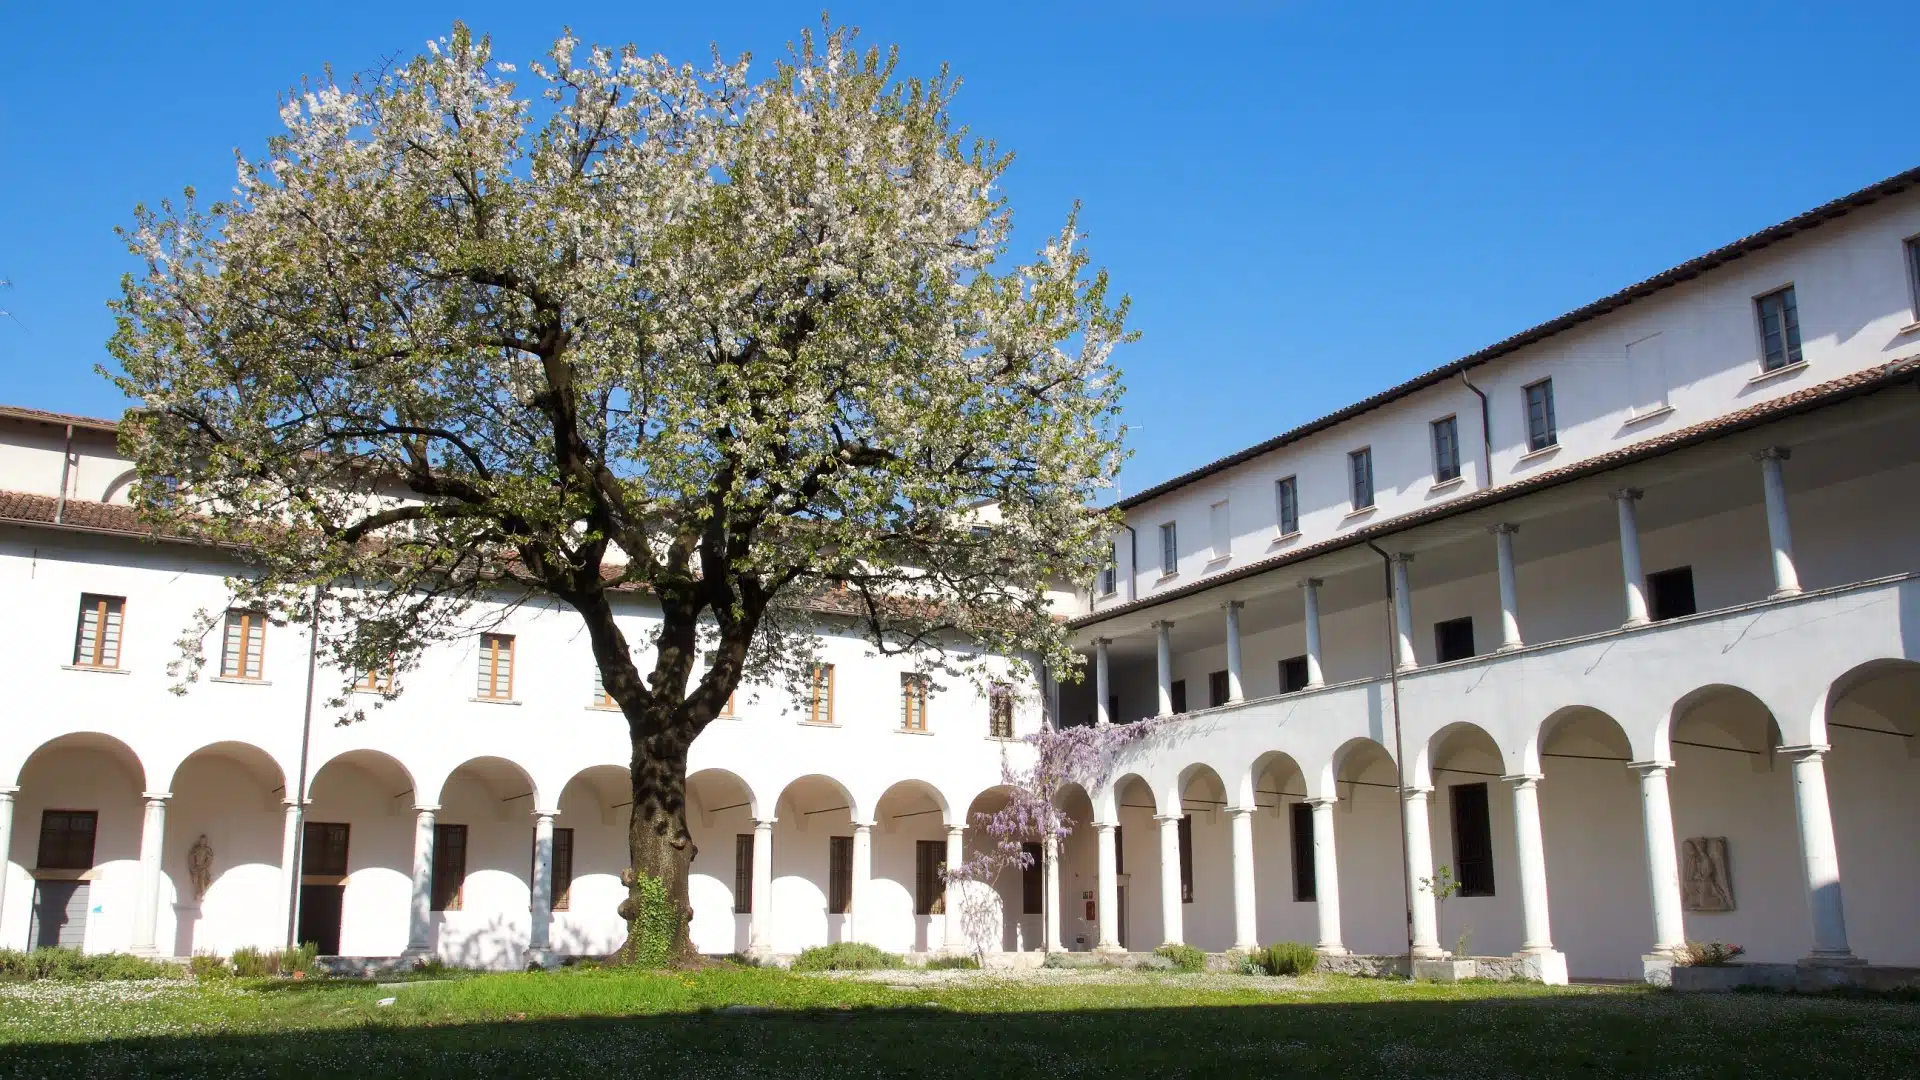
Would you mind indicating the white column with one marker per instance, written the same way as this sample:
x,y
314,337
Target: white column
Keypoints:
x,y
420,923
1310,593
1234,692
1246,932
1531,857
1663,863
861,886
760,921
290,868
956,926
1403,612
1623,500
1509,590
1107,903
1164,630
1050,894
1326,877
1170,905
540,905
7,792
1819,856
1101,682
1426,922
146,897
1786,580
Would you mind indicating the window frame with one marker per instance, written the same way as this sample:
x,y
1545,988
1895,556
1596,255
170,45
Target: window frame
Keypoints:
x,y
376,680
712,657
1790,351
1306,883
1910,247
447,885
1033,883
839,875
103,608
250,618
1220,530
1184,834
1549,437
1286,509
1442,628
490,653
1446,468
1360,464
62,862
1463,868
1305,673
1169,548
1108,582
1177,697
913,701
1657,610
560,886
310,864
929,864
1000,711
821,688
743,873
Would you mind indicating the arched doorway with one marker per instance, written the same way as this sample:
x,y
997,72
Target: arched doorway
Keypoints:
x,y
1282,851
720,815
1136,849
906,894
1590,820
76,835
483,864
1205,852
1470,818
356,855
230,805
1079,871
815,816
590,850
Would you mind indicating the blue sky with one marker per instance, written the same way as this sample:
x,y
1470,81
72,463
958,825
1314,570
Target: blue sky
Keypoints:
x,y
1307,201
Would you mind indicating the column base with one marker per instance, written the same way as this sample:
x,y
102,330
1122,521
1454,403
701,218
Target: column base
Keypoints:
x,y
1109,949
1431,953
1656,968
144,950
540,957
1330,950
1545,965
1782,594
1510,646
1832,960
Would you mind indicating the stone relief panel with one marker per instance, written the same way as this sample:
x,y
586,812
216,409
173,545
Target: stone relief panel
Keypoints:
x,y
1706,883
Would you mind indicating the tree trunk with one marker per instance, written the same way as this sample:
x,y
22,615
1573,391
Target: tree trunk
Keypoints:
x,y
657,909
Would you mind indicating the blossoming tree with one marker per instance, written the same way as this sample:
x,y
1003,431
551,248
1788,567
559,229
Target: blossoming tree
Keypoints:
x,y
753,351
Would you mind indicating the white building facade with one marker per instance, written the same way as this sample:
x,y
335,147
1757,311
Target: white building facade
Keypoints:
x,y
1632,599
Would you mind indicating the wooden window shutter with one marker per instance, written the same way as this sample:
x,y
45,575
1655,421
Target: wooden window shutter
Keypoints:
x,y
97,638
743,873
243,655
1186,859
449,866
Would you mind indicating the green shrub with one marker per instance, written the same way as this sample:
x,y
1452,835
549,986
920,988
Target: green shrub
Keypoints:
x,y
1287,958
72,965
205,966
845,956
251,963
953,963
1183,957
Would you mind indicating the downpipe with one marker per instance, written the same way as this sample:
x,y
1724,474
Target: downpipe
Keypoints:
x,y
1399,756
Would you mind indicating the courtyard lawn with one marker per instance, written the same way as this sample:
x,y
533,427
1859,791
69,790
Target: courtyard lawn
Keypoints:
x,y
743,1022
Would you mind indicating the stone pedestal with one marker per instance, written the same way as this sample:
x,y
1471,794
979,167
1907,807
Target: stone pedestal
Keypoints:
x,y
1546,965
1444,971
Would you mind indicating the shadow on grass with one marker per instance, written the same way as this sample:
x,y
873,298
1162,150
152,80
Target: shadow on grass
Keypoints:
x,y
1530,1037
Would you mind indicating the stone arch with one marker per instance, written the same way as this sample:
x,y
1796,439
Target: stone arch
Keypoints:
x,y
377,763
1355,761
814,788
1733,711
1108,799
1582,723
912,797
98,782
117,751
1274,775
597,792
1441,751
257,762
499,776
118,484
716,791
1888,689
1198,786
232,796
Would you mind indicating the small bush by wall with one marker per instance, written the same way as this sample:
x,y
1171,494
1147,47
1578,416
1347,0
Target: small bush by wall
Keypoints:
x,y
1183,957
72,965
845,956
953,963
252,963
1287,958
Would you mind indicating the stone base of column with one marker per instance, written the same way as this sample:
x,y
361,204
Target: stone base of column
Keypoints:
x,y
1656,968
1782,594
1832,960
144,950
1510,646
1331,950
1544,965
541,958
1434,953
1109,950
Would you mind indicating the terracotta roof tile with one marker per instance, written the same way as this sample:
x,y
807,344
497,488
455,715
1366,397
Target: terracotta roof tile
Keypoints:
x,y
20,412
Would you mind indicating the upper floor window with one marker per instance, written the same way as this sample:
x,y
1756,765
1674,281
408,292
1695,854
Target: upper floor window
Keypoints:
x,y
1779,329
1542,430
821,706
1360,466
1110,573
66,839
1169,548
1446,450
376,679
726,709
602,699
244,652
496,668
1286,497
1453,639
1220,527
97,642
1913,273
1000,711
913,702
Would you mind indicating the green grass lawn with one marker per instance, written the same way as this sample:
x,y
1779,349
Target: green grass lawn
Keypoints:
x,y
596,1023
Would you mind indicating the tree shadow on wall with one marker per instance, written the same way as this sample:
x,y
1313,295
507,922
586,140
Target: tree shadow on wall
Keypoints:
x,y
1529,1035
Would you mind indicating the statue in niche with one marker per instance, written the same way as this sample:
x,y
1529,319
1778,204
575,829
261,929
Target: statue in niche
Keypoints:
x,y
200,866
1705,882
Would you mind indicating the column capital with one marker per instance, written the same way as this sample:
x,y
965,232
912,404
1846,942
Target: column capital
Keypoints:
x,y
1415,791
1102,642
1806,751
1323,800
1626,494
1773,453
1162,624
765,822
156,796
1310,583
547,814
1402,557
1504,528
1105,826
1524,780
1241,811
863,826
955,830
1650,767
8,791
1233,605
295,805
426,808
1164,818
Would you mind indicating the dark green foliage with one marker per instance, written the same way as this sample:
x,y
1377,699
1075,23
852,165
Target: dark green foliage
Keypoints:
x,y
72,965
953,963
1183,957
845,956
1286,958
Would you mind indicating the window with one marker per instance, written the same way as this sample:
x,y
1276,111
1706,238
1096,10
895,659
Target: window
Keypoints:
x,y
245,646
839,875
913,702
1300,818
743,873
929,870
1216,689
1119,851
1446,450
1000,711
1179,696
727,709
449,866
1185,832
1647,374
1286,496
1670,593
1110,573
66,839
1033,881
1293,674
1913,273
97,642
1360,465
1541,429
562,869
323,848
1220,529
821,709
496,668
1779,329
1453,639
378,680
601,699
1472,840
1169,549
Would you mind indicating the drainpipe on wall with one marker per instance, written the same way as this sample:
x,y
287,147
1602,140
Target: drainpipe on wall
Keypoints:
x,y
66,472
1486,433
300,790
1399,756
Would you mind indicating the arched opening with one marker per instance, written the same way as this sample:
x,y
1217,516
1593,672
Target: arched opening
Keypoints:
x,y
906,896
226,834
483,864
76,839
1079,870
1733,820
590,850
356,856
1206,861
1470,818
1366,829
1590,820
1005,912
815,815
1136,848
1283,885
1873,784
720,814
